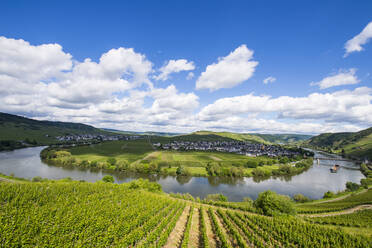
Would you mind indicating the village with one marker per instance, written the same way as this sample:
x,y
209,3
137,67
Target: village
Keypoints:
x,y
99,137
238,147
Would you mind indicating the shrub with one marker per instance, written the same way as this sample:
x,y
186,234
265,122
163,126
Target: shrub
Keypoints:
x,y
251,164
216,197
270,203
350,186
108,179
182,171
111,161
300,198
365,182
259,172
247,199
145,184
328,194
37,179
284,160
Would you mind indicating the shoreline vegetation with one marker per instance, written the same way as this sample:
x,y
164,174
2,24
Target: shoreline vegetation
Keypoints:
x,y
139,157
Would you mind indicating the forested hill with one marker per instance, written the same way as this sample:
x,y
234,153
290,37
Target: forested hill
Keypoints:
x,y
17,128
358,144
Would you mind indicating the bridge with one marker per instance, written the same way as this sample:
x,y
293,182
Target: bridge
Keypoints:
x,y
334,159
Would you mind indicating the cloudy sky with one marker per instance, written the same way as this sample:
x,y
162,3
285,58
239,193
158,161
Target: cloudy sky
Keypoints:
x,y
182,66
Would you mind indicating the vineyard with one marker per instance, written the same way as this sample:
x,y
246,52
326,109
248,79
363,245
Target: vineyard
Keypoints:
x,y
80,214
361,218
348,202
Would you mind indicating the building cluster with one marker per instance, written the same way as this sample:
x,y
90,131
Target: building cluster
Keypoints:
x,y
99,137
238,147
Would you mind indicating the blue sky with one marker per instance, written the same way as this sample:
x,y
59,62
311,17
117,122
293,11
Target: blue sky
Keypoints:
x,y
295,42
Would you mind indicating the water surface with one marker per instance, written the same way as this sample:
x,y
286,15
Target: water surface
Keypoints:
x,y
313,183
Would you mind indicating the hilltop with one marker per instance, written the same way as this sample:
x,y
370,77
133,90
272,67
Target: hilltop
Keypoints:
x,y
354,145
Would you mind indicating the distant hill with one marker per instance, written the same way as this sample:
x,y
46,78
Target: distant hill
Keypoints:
x,y
358,144
259,138
167,134
18,128
283,138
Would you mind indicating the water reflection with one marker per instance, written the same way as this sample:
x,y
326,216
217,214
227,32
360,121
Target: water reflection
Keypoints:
x,y
313,183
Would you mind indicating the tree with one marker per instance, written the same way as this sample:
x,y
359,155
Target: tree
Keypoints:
x,y
350,186
248,200
328,194
37,179
300,198
251,164
271,203
182,171
111,161
108,179
216,197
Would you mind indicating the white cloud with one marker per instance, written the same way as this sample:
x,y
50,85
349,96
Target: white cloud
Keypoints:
x,y
116,92
229,71
190,75
118,70
22,61
339,107
269,80
355,44
342,78
174,66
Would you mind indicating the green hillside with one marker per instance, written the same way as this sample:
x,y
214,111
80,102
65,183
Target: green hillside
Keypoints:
x,y
358,144
283,138
234,136
17,128
138,214
258,138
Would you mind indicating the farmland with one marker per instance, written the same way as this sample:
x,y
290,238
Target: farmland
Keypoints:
x,y
140,156
80,214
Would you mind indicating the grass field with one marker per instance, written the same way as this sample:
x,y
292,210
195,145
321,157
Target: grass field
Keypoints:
x,y
129,151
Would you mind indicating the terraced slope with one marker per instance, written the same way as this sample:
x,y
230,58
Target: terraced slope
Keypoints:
x,y
356,145
79,214
333,206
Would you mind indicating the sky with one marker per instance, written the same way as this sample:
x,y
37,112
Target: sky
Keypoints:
x,y
182,66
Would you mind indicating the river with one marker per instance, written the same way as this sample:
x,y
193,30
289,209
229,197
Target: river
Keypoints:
x,y
312,183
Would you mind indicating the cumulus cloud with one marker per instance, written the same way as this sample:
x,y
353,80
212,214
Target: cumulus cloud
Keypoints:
x,y
20,60
269,80
355,44
49,85
341,106
118,70
190,75
174,66
229,71
116,92
342,78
